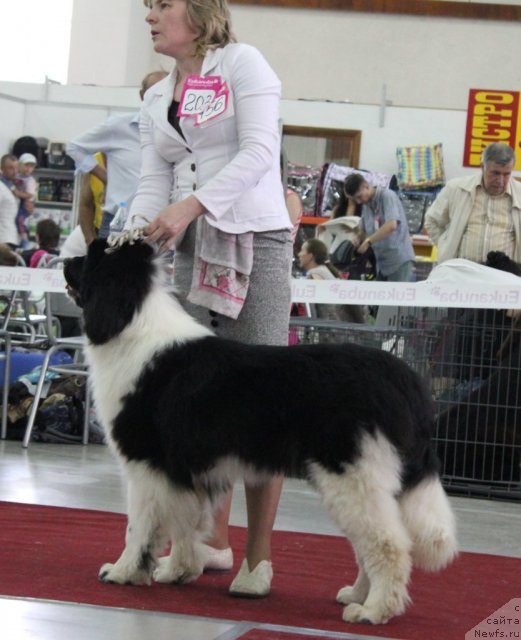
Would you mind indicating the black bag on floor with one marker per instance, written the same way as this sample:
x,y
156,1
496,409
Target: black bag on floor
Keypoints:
x,y
60,417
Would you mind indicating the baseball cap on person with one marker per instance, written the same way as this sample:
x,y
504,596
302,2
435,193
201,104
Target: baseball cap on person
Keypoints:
x,y
27,158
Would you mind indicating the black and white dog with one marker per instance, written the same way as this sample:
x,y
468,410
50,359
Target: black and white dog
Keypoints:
x,y
189,413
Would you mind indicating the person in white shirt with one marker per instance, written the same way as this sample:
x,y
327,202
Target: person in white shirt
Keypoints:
x,y
212,175
118,139
74,244
9,203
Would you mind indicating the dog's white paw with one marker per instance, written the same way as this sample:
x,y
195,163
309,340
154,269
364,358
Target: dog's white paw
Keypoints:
x,y
112,573
168,571
350,594
365,615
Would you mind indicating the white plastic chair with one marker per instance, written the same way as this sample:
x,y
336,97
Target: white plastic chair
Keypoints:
x,y
18,317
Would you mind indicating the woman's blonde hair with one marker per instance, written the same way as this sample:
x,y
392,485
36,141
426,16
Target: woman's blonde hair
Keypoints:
x,y
212,19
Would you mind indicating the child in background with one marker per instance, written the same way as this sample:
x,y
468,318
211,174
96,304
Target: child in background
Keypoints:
x,y
27,187
48,239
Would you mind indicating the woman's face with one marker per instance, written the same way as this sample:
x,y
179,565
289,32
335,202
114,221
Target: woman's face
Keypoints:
x,y
170,28
304,257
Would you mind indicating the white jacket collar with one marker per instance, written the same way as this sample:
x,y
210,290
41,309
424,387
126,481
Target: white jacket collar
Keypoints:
x,y
514,188
166,86
158,98
211,60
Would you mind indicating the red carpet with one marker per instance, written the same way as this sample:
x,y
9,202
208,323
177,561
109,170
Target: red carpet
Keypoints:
x,y
55,553
270,634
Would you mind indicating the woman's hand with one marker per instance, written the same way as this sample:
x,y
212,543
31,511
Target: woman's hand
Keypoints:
x,y
172,221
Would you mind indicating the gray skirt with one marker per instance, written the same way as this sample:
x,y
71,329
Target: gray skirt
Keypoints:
x,y
264,317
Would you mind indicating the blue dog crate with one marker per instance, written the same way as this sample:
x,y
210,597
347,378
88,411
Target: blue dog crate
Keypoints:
x,y
23,362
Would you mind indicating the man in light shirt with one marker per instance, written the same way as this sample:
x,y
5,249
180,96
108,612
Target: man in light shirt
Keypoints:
x,y
9,200
118,139
474,215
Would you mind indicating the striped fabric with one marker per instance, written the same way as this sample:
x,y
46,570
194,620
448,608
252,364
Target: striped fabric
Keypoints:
x,y
490,227
420,166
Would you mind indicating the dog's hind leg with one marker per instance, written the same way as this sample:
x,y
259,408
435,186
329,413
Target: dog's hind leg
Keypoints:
x,y
428,517
358,591
362,501
145,534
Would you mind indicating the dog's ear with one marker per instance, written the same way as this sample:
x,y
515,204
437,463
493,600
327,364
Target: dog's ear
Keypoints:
x,y
73,270
115,284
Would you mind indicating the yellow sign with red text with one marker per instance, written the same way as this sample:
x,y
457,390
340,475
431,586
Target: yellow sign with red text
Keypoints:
x,y
492,116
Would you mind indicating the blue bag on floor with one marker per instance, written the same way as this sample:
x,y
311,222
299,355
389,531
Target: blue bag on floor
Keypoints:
x,y
23,362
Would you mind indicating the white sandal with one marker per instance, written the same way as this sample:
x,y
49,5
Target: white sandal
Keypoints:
x,y
218,560
252,584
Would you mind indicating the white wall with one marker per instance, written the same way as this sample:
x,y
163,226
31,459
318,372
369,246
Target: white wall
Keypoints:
x,y
109,43
427,64
57,112
70,110
402,126
424,61
12,120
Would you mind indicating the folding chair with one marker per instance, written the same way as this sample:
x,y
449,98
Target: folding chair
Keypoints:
x,y
6,339
25,326
57,343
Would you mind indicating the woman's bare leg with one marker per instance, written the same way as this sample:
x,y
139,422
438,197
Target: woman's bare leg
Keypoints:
x,y
255,574
219,539
261,503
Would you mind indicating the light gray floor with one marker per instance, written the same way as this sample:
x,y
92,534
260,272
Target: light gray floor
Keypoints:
x,y
89,478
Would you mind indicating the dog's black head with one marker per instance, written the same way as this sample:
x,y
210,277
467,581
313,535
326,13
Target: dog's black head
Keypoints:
x,y
499,260
110,285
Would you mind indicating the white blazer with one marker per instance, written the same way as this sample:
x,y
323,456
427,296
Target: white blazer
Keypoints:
x,y
231,164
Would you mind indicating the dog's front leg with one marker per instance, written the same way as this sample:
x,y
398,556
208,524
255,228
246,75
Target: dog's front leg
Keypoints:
x,y
184,564
145,534
191,521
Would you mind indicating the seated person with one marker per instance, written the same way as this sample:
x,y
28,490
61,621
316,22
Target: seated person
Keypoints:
x,y
48,239
314,261
8,258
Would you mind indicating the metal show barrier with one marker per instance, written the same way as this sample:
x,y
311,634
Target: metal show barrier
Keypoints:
x,y
464,339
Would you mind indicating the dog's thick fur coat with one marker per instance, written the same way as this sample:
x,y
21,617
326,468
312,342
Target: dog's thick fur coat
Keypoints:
x,y
189,413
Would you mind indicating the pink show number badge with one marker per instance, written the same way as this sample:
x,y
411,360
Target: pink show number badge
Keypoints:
x,y
203,98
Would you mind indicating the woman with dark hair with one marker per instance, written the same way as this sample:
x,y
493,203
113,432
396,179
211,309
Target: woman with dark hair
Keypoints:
x,y
47,236
314,260
345,206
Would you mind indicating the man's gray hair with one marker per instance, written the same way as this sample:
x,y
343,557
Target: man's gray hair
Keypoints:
x,y
500,153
